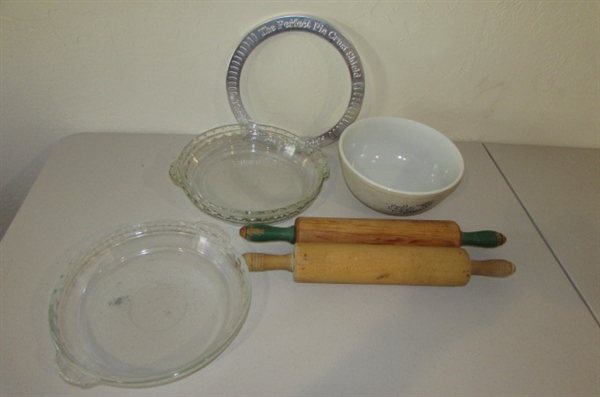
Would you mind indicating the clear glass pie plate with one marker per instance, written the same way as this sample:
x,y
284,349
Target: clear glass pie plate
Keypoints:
x,y
148,304
250,173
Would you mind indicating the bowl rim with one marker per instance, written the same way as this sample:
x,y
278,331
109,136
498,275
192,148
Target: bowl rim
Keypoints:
x,y
77,261
347,165
237,215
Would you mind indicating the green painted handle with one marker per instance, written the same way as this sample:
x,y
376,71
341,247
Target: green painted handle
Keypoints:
x,y
263,233
484,238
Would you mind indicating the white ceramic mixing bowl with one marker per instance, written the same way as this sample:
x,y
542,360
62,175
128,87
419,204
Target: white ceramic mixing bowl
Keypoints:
x,y
398,166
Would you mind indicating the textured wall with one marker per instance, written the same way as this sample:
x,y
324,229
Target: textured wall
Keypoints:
x,y
507,71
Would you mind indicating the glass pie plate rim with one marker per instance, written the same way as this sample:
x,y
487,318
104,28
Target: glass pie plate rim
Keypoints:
x,y
81,368
274,137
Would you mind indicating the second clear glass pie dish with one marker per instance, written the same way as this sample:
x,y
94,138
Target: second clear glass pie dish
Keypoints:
x,y
148,304
250,173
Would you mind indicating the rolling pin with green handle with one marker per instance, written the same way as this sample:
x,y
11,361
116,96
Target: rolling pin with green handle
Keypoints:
x,y
373,231
379,264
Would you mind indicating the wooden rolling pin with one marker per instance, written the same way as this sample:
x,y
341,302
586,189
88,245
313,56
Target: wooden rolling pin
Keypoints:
x,y
379,264
373,231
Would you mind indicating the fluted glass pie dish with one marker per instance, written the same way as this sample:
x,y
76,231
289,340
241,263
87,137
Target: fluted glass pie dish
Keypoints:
x,y
148,304
250,173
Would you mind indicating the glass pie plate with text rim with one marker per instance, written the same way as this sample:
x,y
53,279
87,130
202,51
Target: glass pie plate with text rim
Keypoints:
x,y
250,173
314,26
148,304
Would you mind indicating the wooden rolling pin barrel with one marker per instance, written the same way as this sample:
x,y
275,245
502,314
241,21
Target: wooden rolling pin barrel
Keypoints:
x,y
373,231
379,264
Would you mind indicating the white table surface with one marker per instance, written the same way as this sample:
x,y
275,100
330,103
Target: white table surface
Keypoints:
x,y
530,334
560,190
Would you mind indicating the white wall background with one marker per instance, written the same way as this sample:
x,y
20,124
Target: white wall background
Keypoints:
x,y
497,71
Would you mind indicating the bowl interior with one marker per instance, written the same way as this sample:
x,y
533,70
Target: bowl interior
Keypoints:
x,y
150,304
401,155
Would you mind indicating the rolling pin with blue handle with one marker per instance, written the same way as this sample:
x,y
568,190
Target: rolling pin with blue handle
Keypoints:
x,y
373,231
379,264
